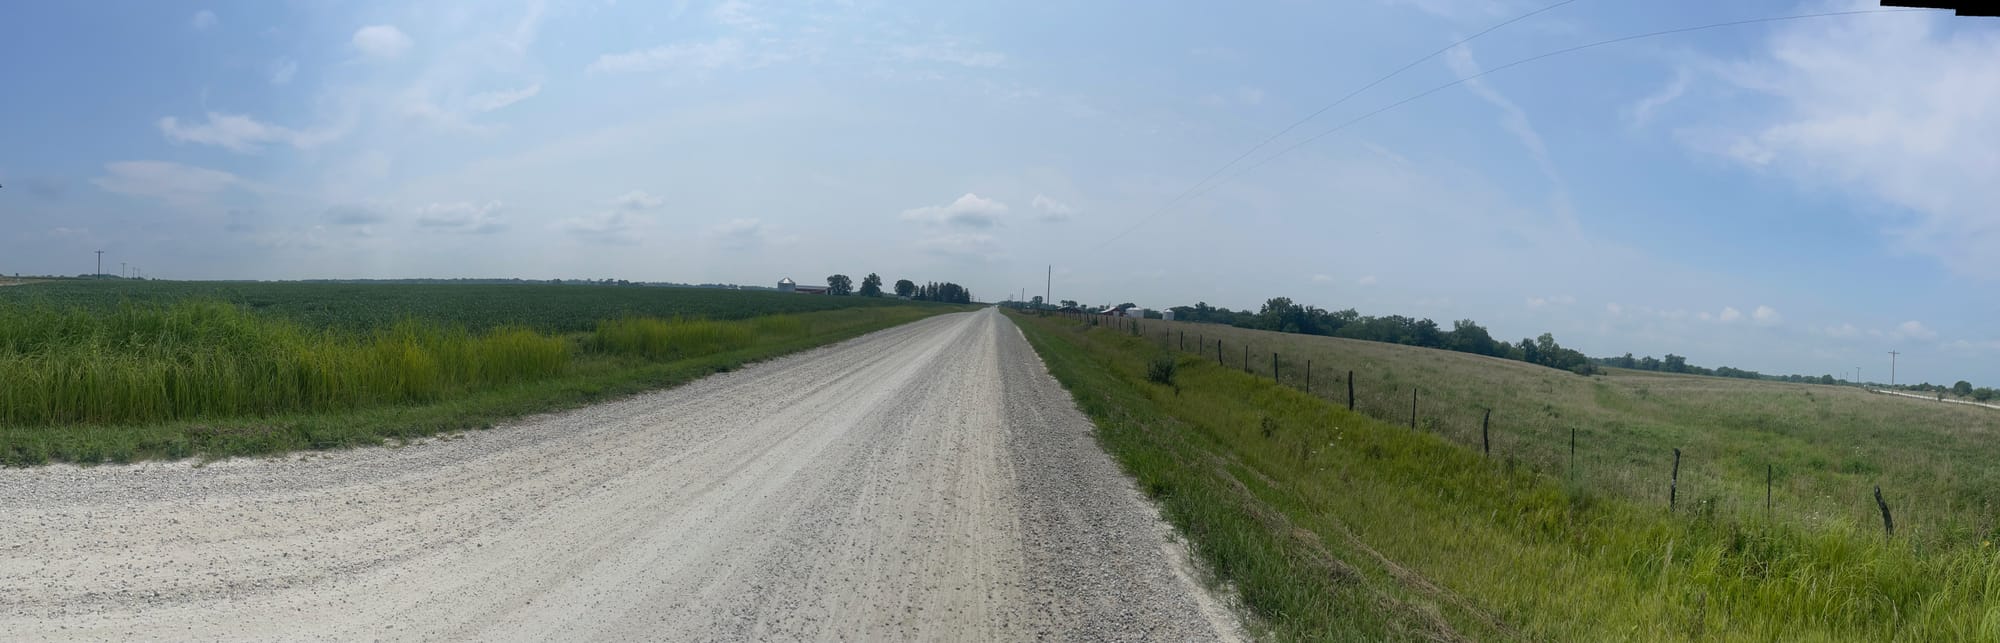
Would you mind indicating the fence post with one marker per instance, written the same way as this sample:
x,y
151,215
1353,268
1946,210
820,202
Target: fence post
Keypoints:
x,y
1218,352
1246,358
1888,525
1572,455
1486,443
1413,407
1767,493
1674,487
1274,367
1309,376
1183,341
1350,390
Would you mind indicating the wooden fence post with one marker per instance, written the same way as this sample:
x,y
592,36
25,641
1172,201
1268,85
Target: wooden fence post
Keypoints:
x,y
1413,407
1350,390
1674,488
1309,376
1486,443
1572,455
1218,352
1767,493
1246,358
1888,525
1274,367
1183,341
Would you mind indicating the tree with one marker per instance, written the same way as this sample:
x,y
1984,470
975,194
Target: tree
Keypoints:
x,y
1035,301
905,287
871,285
839,285
1674,364
1962,389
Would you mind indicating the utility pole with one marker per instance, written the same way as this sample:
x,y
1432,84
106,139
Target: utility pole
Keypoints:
x,y
1857,376
1892,367
100,266
1048,286
121,269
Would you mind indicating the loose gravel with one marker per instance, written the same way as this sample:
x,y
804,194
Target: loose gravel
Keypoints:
x,y
927,482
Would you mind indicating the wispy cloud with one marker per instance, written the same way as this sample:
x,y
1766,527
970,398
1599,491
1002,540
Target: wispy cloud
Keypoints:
x,y
203,20
241,133
381,42
282,70
689,56
489,101
1051,210
1641,112
464,216
971,211
949,52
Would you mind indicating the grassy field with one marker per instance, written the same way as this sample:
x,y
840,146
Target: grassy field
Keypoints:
x,y
143,370
1352,526
370,306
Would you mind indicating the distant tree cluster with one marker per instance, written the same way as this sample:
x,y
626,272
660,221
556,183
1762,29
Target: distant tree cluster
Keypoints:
x,y
947,292
871,286
1283,315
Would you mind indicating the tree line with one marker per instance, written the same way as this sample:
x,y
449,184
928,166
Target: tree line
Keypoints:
x,y
1466,336
871,286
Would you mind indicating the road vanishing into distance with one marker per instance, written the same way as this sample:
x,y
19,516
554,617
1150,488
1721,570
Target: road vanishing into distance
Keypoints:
x,y
926,482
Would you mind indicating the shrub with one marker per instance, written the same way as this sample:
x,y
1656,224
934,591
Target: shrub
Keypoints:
x,y
1161,371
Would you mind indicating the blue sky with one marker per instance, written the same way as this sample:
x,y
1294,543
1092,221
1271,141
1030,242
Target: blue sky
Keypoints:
x,y
1787,197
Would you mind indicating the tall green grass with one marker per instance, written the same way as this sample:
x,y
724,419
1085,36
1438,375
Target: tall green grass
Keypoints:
x,y
173,380
201,359
1335,525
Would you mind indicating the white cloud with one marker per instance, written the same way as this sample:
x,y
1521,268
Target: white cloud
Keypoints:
x,y
282,70
381,41
489,101
1641,112
1558,300
463,216
950,52
176,184
1897,108
1250,95
1766,316
1322,279
1913,330
738,14
637,200
203,20
1614,309
611,227
696,56
241,133
1515,121
977,247
970,211
1843,331
1729,314
1051,209
1368,280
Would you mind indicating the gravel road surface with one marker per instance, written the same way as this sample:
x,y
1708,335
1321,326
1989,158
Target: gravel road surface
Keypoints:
x,y
927,482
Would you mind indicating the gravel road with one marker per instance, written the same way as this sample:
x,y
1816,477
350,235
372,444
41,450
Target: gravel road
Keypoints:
x,y
927,482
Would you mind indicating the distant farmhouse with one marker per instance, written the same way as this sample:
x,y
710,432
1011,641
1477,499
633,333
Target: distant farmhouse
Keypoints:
x,y
787,285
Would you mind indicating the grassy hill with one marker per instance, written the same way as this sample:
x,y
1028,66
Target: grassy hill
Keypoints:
x,y
1339,525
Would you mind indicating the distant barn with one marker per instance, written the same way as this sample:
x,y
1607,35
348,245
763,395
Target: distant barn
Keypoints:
x,y
787,285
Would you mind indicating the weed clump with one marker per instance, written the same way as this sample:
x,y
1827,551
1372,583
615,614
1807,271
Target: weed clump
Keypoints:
x,y
1161,371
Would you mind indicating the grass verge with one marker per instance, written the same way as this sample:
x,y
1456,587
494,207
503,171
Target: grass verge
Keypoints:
x,y
419,380
1333,525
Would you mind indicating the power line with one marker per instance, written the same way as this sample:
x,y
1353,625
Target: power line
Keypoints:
x,y
1343,99
1516,63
